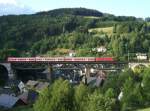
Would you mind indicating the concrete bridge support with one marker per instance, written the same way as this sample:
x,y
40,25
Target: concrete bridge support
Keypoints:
x,y
49,74
87,71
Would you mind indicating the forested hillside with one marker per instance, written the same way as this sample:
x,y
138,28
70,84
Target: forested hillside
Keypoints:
x,y
48,33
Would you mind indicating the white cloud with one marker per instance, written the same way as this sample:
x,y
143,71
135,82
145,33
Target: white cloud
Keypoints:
x,y
13,7
13,2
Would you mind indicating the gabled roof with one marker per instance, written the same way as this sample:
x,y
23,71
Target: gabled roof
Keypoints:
x,y
41,86
8,101
94,81
37,85
32,83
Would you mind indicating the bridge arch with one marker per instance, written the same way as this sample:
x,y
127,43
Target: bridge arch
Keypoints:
x,y
4,74
9,70
134,65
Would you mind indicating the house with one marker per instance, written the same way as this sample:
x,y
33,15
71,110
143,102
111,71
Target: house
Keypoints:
x,y
41,86
7,90
22,87
93,81
37,85
16,84
102,74
72,53
101,49
8,101
24,97
141,56
28,97
31,84
97,80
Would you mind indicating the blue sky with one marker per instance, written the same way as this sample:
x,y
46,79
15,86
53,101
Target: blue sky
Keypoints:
x,y
138,8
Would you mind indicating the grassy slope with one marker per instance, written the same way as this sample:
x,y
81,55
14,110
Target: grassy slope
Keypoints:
x,y
108,30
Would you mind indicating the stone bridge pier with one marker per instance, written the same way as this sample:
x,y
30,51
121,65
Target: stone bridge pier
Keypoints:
x,y
9,69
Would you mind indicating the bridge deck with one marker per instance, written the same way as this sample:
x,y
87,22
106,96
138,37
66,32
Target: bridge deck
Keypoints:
x,y
74,62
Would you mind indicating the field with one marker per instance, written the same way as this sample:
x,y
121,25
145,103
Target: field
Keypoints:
x,y
146,109
108,30
148,23
91,17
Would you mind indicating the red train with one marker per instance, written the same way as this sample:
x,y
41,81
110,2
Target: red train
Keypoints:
x,y
60,59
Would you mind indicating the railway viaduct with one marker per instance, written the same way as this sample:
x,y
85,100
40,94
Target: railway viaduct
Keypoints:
x,y
75,65
11,75
86,63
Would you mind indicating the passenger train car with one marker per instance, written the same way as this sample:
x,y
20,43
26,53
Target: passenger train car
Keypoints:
x,y
60,59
